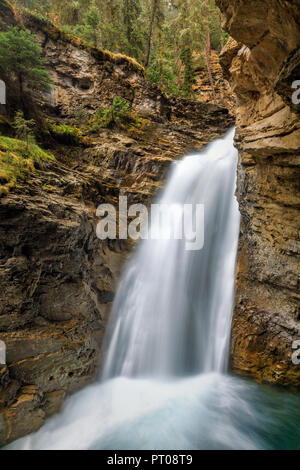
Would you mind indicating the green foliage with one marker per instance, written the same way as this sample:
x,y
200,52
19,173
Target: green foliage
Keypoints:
x,y
24,128
18,161
92,17
156,33
20,55
65,134
162,64
225,37
30,4
118,113
89,31
189,78
133,42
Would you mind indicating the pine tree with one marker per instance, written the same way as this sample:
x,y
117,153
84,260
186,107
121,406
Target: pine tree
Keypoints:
x,y
189,78
24,128
131,12
91,29
195,21
20,55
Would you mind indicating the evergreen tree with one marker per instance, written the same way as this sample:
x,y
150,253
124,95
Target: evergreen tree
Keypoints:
x,y
91,29
189,78
24,128
20,55
68,12
131,12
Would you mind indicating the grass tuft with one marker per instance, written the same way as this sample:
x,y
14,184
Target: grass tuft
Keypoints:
x,y
18,162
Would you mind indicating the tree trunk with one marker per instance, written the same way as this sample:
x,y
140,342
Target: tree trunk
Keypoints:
x,y
99,43
208,54
21,85
127,21
149,43
221,33
160,58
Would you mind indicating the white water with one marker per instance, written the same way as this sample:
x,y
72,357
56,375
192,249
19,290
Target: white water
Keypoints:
x,y
163,383
172,313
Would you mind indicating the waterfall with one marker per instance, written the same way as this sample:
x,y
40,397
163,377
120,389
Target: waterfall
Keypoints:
x,y
164,382
172,313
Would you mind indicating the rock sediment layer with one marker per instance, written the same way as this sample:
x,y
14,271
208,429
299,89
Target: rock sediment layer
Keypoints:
x,y
262,61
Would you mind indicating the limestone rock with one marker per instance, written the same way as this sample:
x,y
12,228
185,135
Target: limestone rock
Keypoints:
x,y
263,60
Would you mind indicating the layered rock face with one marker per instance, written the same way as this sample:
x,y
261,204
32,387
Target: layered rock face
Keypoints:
x,y
222,88
262,61
58,279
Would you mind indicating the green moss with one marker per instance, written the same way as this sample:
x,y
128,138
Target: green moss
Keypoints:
x,y
17,161
65,134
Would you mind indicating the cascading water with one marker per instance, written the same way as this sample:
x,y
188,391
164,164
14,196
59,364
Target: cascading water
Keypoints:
x,y
163,382
172,314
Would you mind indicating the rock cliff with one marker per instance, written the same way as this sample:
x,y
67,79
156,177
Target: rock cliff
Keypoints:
x,y
58,280
202,87
262,61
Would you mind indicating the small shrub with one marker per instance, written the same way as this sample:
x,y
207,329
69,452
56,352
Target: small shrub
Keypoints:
x,y
24,128
120,114
117,114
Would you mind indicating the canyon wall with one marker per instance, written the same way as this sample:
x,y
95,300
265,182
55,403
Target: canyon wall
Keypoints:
x,y
58,279
202,87
262,61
